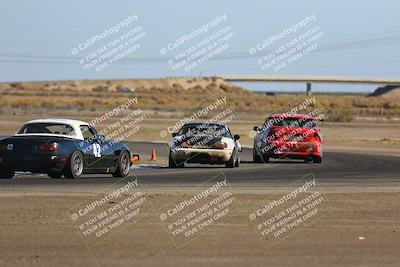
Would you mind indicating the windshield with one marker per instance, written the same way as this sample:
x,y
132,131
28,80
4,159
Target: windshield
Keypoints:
x,y
47,128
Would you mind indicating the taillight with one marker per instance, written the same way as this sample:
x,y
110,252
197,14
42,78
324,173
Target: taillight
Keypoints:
x,y
317,138
50,147
220,145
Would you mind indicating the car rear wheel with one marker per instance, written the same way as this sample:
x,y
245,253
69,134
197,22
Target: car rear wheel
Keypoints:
x,y
256,156
232,161
6,173
175,164
74,168
317,159
124,165
307,160
55,175
237,163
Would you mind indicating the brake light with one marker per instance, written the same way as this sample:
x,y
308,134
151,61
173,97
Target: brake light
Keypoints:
x,y
50,147
220,145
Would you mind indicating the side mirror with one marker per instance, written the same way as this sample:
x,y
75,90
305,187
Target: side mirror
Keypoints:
x,y
174,134
256,128
236,137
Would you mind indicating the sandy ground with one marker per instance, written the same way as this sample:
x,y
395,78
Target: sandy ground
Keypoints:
x,y
361,230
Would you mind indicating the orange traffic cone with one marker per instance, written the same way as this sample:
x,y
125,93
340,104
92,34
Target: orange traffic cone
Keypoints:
x,y
153,154
135,158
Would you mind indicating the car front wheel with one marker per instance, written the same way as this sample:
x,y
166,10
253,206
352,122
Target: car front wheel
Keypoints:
x,y
124,165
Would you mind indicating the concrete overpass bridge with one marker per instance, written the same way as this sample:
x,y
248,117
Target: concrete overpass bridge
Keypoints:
x,y
308,80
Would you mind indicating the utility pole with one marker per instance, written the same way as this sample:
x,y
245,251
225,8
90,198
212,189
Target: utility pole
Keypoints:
x,y
308,92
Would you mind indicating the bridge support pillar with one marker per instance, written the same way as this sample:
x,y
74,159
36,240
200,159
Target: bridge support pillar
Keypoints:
x,y
308,91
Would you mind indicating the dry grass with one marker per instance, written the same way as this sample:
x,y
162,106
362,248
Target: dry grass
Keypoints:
x,y
179,96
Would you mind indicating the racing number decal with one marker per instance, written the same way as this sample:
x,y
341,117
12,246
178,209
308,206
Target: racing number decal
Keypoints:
x,y
96,150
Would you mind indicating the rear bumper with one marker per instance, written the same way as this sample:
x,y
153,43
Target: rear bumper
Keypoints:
x,y
35,164
191,155
299,150
293,155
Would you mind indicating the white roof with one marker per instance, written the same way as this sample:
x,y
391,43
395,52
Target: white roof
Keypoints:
x,y
63,121
73,123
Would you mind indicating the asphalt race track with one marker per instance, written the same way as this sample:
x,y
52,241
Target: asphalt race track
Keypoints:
x,y
340,170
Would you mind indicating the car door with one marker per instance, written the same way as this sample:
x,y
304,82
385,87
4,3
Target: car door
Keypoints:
x,y
105,150
90,147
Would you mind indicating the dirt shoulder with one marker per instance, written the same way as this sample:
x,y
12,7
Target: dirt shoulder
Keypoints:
x,y
361,230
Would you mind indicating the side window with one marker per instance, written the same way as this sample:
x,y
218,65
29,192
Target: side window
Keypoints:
x,y
93,131
87,133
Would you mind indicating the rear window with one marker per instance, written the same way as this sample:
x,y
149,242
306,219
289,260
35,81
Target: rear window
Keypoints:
x,y
47,128
205,129
292,123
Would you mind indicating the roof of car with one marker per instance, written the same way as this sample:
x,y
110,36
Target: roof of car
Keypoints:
x,y
73,123
61,121
295,116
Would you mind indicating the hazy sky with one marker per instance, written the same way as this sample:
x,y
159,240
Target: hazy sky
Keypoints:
x,y
361,38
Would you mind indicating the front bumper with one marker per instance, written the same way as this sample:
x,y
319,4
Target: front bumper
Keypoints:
x,y
192,155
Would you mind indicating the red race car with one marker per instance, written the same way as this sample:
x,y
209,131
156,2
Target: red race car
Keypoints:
x,y
288,136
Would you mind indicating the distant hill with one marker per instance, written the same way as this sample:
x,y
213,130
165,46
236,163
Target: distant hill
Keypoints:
x,y
389,91
176,84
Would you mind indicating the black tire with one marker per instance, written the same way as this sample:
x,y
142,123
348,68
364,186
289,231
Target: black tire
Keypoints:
x,y
256,156
55,175
237,163
123,165
74,168
175,164
317,159
232,161
6,174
